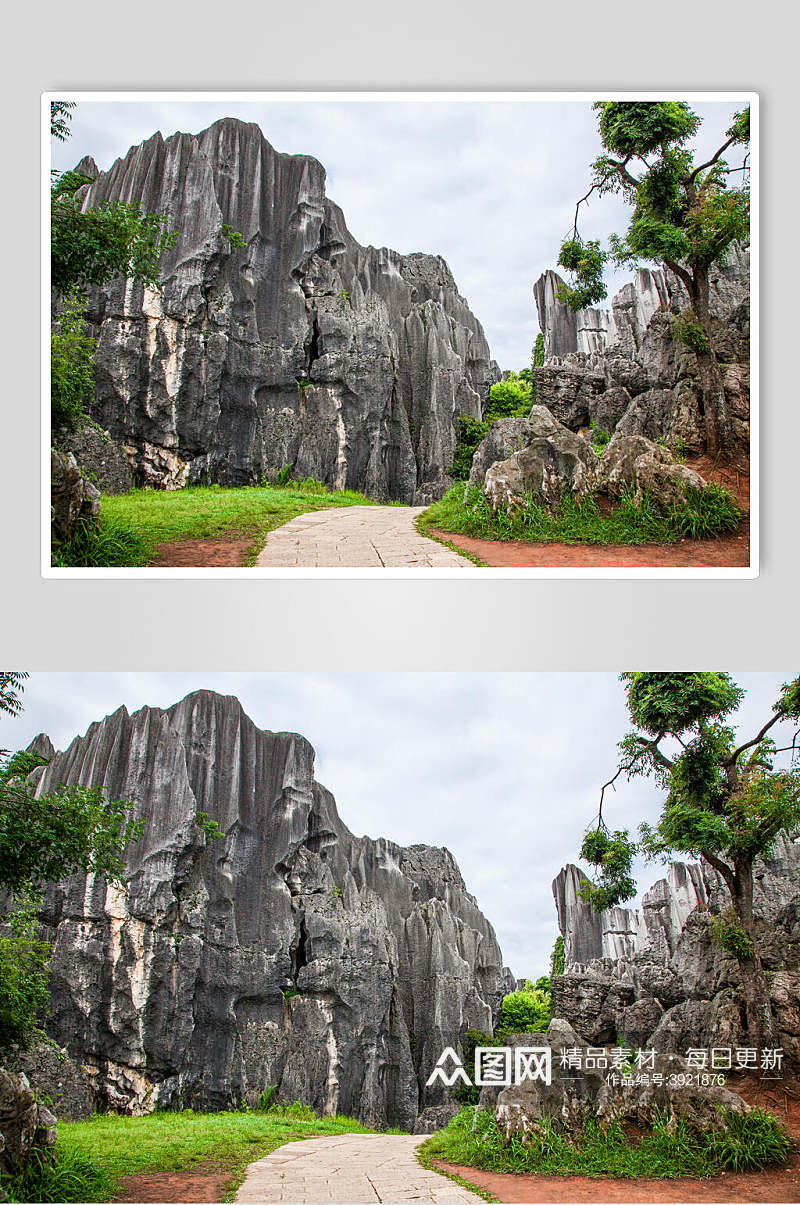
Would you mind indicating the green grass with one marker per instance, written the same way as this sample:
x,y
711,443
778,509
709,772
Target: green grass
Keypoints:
x,y
132,524
474,1139
706,513
108,1147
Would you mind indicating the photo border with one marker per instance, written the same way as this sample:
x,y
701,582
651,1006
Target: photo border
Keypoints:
x,y
469,571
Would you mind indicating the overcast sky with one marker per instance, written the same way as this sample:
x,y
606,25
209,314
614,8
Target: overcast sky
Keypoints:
x,y
503,769
490,186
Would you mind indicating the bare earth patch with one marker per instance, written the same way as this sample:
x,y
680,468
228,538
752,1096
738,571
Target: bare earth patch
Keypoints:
x,y
215,553
205,1182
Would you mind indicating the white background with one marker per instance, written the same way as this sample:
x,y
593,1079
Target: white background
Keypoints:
x,y
352,624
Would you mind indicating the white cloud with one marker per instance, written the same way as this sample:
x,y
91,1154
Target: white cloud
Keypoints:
x,y
504,769
489,186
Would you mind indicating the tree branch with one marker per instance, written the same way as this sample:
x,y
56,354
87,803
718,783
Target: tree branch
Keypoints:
x,y
685,276
755,741
723,868
711,161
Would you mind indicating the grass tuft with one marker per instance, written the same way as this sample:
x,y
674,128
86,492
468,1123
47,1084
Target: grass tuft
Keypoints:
x,y
73,1176
706,513
665,1151
113,545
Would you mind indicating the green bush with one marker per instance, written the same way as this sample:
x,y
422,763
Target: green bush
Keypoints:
x,y
110,544
71,365
469,433
538,351
24,968
510,398
72,1176
557,957
527,1010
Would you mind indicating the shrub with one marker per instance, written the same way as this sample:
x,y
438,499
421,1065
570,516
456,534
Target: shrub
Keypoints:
x,y
24,969
510,398
688,331
111,544
730,934
71,365
72,1176
527,1010
557,957
470,432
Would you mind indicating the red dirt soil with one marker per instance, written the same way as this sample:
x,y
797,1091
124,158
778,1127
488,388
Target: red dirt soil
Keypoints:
x,y
205,1182
219,553
727,552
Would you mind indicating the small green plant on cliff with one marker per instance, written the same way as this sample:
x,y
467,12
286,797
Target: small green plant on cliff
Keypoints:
x,y
600,438
730,935
557,957
688,331
538,351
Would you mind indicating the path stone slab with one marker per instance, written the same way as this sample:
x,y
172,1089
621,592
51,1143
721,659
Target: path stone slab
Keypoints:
x,y
348,1169
357,537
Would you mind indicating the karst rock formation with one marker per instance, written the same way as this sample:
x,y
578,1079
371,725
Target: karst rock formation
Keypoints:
x,y
655,977
300,350
288,952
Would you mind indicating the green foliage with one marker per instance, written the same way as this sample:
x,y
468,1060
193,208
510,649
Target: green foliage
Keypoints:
x,y
469,433
729,933
670,1148
12,684
584,262
235,239
336,891
600,438
60,117
72,352
527,1010
612,854
50,836
208,826
469,1094
72,1176
290,992
267,1099
105,242
630,128
538,351
24,968
707,513
688,331
660,703
557,957
511,398
110,544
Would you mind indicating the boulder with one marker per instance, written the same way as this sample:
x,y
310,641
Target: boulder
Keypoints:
x,y
507,436
546,469
102,457
669,414
25,1126
618,462
569,391
55,1077
73,498
665,484
588,1087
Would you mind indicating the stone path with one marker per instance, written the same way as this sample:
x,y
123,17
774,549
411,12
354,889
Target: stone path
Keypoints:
x,y
357,537
353,1169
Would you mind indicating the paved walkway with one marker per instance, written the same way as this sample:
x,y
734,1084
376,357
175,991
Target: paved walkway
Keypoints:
x,y
357,537
352,1169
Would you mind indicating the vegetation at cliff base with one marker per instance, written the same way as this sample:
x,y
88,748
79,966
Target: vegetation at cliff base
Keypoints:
x,y
666,1150
705,513
511,398
132,524
108,1147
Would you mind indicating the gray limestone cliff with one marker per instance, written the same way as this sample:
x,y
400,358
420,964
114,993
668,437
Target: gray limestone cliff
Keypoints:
x,y
654,976
623,369
288,952
302,348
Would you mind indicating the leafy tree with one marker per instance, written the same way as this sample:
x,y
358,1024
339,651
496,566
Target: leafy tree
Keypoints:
x,y
538,351
685,215
511,397
12,684
557,957
724,802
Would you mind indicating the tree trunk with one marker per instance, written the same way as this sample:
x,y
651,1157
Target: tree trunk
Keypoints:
x,y
761,1031
719,430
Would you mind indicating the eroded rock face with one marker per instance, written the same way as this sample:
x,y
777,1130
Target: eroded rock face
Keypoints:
x,y
54,1076
595,358
579,1093
555,462
350,364
97,453
25,1126
655,977
73,498
289,952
